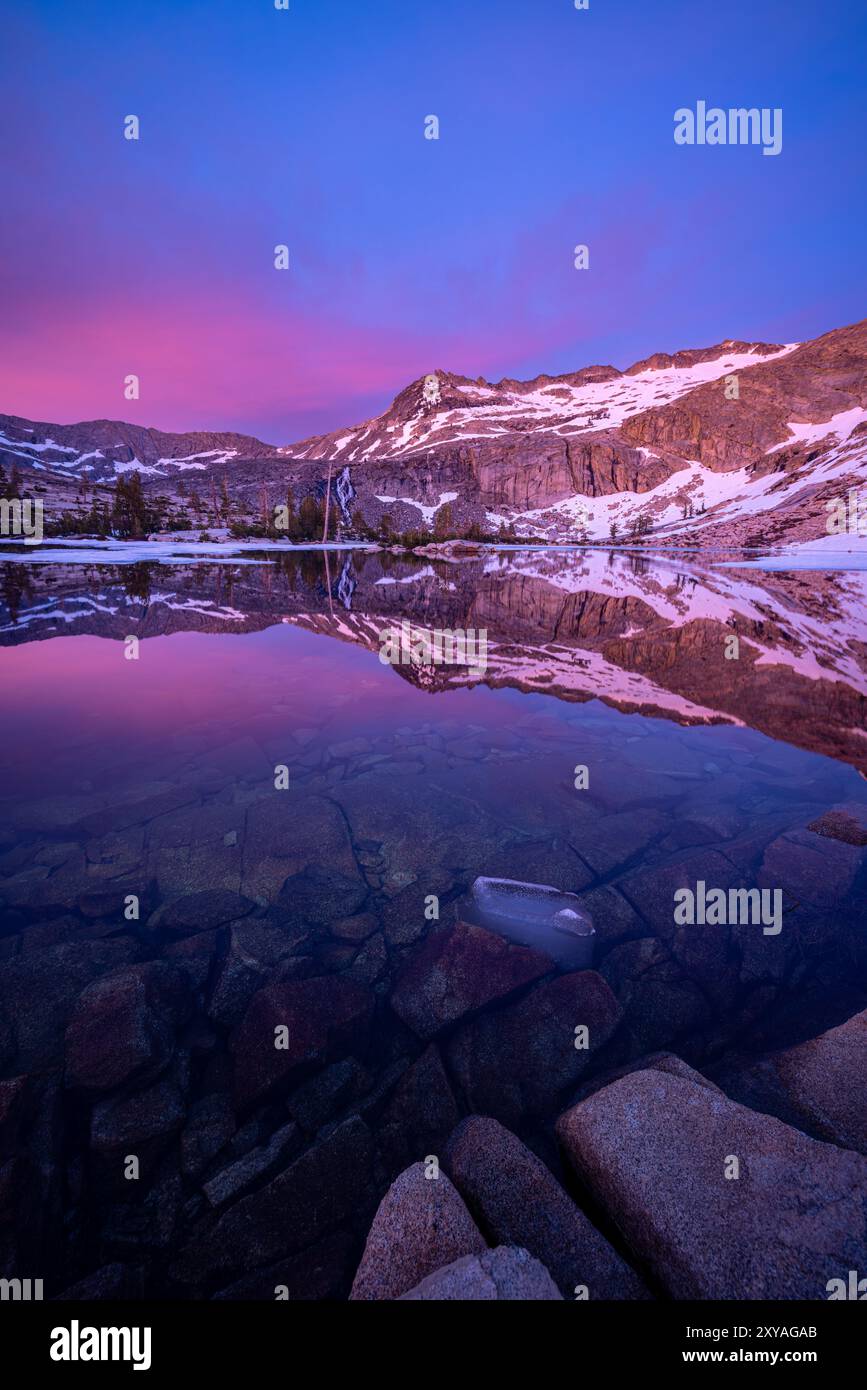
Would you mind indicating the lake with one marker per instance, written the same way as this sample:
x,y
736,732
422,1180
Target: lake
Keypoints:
x,y
245,819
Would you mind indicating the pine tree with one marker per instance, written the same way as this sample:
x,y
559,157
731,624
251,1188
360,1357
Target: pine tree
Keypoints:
x,y
443,522
310,519
130,517
291,529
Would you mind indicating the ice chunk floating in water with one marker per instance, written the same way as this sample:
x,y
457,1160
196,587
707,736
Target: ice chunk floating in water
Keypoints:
x,y
535,914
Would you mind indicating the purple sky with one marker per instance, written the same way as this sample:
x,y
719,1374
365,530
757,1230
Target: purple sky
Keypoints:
x,y
408,255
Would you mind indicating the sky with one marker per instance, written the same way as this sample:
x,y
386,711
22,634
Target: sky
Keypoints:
x,y
305,127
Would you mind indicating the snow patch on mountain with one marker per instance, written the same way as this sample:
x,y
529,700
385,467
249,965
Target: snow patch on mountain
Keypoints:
x,y
840,425
428,512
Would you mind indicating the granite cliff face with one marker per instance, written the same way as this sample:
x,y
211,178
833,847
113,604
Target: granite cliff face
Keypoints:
x,y
815,383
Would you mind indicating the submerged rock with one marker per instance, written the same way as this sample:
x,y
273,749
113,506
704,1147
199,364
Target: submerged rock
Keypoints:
x,y
230,1181
38,993
420,1115
203,911
210,1125
518,1061
814,870
322,895
320,1189
323,1018
842,824
320,1272
152,1114
123,1027
456,971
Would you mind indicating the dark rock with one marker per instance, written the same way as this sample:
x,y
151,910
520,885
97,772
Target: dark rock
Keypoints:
x,y
230,1182
517,1062
240,975
420,1115
124,1025
322,895
288,833
702,951
127,813
195,955
325,1017
812,869
319,1190
203,911
109,900
321,1273
131,1122
660,1004
115,1281
614,919
403,915
651,1061
14,1095
818,1086
456,971
841,824
371,961
38,993
147,1221
210,1125
357,928
320,1098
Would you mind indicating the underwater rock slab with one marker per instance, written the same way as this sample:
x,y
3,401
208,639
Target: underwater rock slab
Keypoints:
x,y
517,1062
325,1017
123,1026
458,970
328,1183
420,1114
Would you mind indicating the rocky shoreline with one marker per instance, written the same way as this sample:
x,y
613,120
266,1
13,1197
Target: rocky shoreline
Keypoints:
x,y
705,1198
260,1168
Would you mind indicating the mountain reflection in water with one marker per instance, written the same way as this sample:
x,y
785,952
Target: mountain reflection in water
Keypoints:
x,y
639,632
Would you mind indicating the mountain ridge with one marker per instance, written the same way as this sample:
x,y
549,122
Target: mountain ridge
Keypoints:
x,y
743,442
